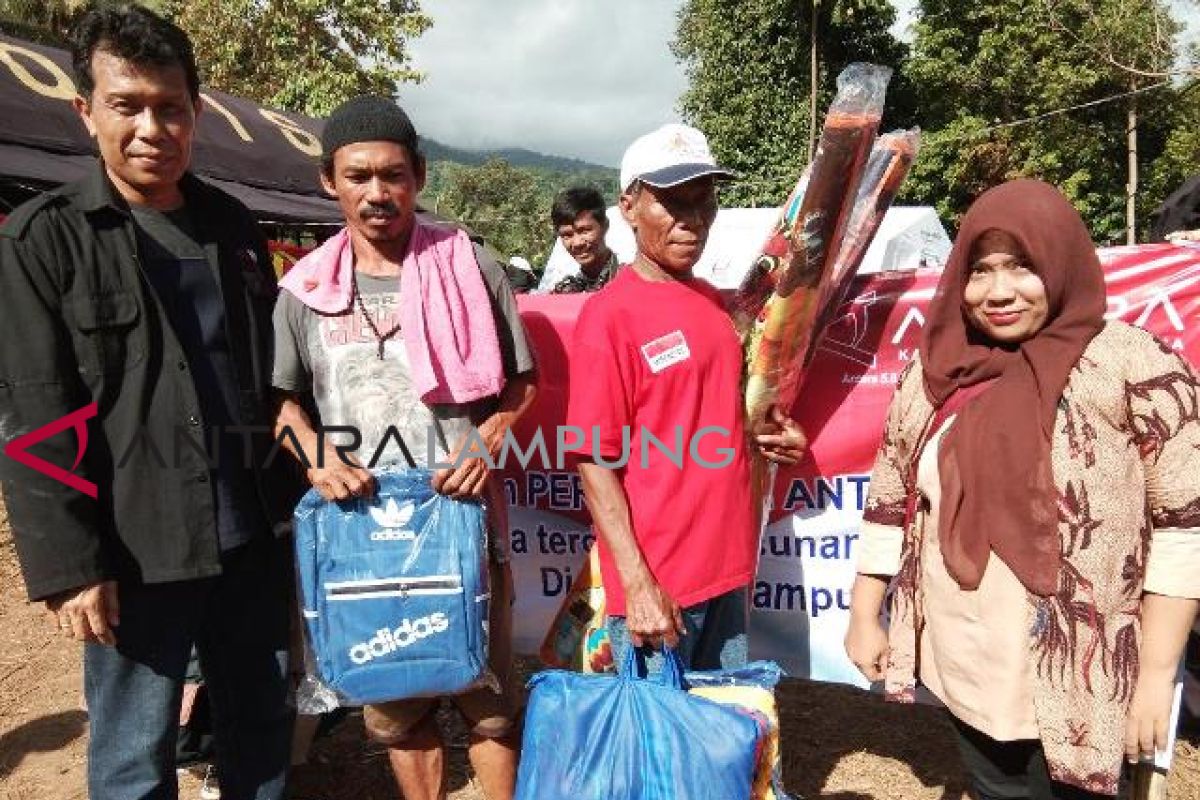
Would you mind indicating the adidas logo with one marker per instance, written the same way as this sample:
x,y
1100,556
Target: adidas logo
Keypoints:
x,y
392,517
387,641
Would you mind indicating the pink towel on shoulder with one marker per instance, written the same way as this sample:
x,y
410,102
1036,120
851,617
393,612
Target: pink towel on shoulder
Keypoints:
x,y
446,317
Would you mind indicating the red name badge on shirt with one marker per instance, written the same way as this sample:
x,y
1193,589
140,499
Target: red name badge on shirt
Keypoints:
x,y
665,351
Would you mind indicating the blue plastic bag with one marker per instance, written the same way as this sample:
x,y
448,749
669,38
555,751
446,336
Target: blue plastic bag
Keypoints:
x,y
631,737
395,590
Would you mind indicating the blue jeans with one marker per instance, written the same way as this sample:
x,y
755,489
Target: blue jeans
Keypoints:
x,y
715,638
239,624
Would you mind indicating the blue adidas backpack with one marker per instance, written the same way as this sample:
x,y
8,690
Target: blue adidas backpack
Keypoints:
x,y
395,590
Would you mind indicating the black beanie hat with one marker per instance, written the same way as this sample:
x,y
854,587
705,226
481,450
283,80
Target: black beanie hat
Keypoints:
x,y
368,119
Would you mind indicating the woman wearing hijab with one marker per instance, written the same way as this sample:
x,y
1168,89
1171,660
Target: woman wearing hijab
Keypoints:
x,y
1035,510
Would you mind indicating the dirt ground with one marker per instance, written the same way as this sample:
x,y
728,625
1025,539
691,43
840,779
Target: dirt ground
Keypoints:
x,y
839,743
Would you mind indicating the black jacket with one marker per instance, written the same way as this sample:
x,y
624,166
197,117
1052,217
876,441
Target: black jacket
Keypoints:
x,y
1179,212
79,323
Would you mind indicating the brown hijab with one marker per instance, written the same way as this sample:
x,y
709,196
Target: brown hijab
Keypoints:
x,y
998,493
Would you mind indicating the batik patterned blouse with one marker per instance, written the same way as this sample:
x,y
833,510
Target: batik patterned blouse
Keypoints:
x,y
1125,456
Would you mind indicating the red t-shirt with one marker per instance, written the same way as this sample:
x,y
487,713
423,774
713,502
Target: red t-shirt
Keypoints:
x,y
662,359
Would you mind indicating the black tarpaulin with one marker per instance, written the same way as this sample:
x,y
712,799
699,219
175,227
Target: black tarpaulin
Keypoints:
x,y
267,159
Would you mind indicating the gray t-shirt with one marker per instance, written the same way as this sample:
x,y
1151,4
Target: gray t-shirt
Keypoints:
x,y
336,358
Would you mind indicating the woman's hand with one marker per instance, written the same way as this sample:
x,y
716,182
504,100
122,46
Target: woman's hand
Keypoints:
x,y
1166,623
867,646
866,639
1147,728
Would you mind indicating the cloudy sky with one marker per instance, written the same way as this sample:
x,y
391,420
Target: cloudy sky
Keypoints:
x,y
577,78
567,77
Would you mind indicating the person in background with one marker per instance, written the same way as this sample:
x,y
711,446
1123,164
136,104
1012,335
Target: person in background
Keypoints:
x,y
1035,507
1177,219
141,298
580,223
520,275
656,355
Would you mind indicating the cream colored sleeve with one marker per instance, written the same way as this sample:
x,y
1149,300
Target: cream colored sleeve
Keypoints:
x,y
1173,566
879,549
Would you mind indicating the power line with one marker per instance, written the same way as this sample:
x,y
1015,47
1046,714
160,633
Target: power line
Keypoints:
x,y
771,181
1054,113
993,128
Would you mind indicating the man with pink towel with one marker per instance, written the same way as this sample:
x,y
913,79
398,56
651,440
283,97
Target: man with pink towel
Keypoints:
x,y
399,325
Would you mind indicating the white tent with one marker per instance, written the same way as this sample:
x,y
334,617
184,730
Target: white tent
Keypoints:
x,y
910,237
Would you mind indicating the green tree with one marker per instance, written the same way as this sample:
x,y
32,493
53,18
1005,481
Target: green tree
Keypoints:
x,y
301,55
748,66
978,66
501,203
44,21
1180,158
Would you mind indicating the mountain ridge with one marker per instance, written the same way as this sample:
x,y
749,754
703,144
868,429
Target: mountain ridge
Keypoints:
x,y
516,156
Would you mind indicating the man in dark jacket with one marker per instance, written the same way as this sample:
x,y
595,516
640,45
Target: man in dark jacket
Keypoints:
x,y
1178,218
135,313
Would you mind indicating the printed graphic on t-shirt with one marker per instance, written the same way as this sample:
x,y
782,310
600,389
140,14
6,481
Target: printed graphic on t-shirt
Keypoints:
x,y
352,328
665,351
354,387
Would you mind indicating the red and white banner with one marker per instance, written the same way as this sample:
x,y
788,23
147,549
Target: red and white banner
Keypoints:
x,y
801,593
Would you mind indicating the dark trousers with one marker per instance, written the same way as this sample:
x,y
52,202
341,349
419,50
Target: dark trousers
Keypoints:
x,y
238,623
1011,770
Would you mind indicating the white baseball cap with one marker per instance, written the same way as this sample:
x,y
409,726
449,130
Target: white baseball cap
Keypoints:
x,y
669,156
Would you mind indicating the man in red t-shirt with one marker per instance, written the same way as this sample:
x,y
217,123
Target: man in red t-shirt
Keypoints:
x,y
656,387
